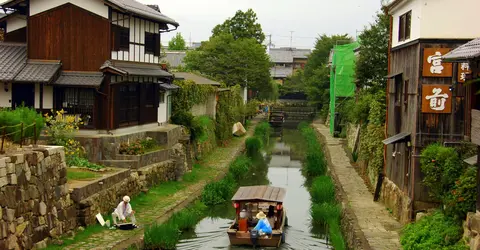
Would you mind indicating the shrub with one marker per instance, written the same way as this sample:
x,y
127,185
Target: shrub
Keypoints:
x,y
322,190
148,143
461,199
240,167
134,148
203,129
435,231
441,167
218,192
315,164
326,212
253,145
164,236
13,118
61,129
262,131
82,162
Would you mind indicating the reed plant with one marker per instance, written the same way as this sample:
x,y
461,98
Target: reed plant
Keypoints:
x,y
240,167
253,146
164,236
262,131
322,190
329,213
336,236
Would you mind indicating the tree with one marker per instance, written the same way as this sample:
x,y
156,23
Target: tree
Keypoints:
x,y
177,42
316,75
372,63
242,25
232,61
294,83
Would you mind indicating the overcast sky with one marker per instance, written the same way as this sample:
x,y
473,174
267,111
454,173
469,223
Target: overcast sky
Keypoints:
x,y
307,18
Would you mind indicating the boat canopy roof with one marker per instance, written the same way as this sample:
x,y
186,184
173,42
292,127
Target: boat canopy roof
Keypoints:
x,y
260,193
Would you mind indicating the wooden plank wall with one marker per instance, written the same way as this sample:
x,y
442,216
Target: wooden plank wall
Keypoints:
x,y
17,36
80,39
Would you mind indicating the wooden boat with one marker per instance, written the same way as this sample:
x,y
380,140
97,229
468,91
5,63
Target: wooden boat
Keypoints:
x,y
255,199
276,119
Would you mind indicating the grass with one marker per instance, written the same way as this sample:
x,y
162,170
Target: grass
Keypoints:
x,y
329,213
253,146
322,190
81,175
262,131
79,236
82,162
239,167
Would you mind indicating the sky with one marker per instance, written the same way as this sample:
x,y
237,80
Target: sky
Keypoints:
x,y
306,18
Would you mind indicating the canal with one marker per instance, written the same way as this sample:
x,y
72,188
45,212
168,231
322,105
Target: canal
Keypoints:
x,y
280,166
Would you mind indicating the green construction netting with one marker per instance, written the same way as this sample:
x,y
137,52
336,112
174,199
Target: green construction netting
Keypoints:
x,y
342,76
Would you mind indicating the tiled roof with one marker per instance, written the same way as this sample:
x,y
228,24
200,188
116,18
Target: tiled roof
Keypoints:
x,y
155,7
196,78
38,71
174,58
86,79
467,51
143,10
286,55
167,86
125,68
281,71
13,58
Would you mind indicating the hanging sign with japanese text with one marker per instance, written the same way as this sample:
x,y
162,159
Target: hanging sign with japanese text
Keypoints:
x,y
463,71
436,98
433,66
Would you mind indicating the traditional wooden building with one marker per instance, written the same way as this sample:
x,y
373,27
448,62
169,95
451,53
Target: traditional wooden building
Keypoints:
x,y
96,59
467,59
426,100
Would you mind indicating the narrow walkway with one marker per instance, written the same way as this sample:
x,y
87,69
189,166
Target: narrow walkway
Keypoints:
x,y
216,164
378,226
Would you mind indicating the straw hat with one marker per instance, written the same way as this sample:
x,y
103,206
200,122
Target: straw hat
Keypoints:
x,y
126,198
261,215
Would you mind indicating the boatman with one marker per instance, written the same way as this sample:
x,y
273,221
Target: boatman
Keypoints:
x,y
124,211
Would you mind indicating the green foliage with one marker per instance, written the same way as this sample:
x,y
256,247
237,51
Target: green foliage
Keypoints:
x,y
253,145
355,156
177,42
294,83
82,163
435,231
182,117
242,25
73,174
240,167
371,67
463,196
441,167
203,129
315,163
233,61
322,190
336,236
316,74
230,109
13,118
371,146
252,108
189,94
218,192
164,236
138,147
262,131
326,212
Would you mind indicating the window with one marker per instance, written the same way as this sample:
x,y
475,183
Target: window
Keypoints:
x,y
152,43
121,38
404,27
79,102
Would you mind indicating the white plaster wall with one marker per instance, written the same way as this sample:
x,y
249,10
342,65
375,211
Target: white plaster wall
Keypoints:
x,y
449,19
37,96
5,97
16,22
162,109
138,27
48,97
416,7
95,6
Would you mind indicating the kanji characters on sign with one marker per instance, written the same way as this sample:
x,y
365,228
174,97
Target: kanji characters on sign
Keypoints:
x,y
436,61
433,66
463,71
436,98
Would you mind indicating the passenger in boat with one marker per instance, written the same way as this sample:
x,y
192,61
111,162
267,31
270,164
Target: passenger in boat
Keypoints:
x,y
263,226
272,219
242,221
124,211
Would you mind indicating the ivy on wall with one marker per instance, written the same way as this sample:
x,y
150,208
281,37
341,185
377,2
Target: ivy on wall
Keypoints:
x,y
190,94
230,109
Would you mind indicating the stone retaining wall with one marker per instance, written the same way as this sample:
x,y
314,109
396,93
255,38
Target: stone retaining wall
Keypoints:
x,y
34,199
394,199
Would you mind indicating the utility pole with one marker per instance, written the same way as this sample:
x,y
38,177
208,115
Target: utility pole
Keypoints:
x,y
190,39
270,45
291,38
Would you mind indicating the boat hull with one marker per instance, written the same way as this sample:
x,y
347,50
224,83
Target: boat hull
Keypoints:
x,y
238,239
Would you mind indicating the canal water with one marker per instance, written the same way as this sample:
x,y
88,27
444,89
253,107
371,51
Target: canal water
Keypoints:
x,y
280,166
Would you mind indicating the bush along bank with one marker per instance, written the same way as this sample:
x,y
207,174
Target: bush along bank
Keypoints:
x,y
452,183
325,209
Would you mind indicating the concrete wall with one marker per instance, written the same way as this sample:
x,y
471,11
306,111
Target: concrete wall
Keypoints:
x,y
206,108
34,199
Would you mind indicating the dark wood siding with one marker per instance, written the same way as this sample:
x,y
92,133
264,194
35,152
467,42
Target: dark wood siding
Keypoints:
x,y
17,36
78,38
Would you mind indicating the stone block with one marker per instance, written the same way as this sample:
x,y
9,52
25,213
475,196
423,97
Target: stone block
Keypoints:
x,y
12,179
11,227
3,181
10,168
473,222
33,192
21,228
3,171
18,158
3,162
3,229
9,215
41,220
41,244
40,233
12,242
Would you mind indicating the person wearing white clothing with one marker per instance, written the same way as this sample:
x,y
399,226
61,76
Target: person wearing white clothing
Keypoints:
x,y
124,211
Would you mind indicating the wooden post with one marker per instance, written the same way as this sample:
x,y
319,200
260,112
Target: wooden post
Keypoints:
x,y
21,134
35,134
3,139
